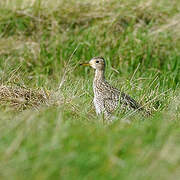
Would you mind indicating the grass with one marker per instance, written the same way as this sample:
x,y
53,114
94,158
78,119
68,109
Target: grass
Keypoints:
x,y
49,129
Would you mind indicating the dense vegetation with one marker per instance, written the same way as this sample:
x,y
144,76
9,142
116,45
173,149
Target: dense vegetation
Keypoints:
x,y
49,129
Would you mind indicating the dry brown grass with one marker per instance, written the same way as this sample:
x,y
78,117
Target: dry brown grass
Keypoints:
x,y
21,98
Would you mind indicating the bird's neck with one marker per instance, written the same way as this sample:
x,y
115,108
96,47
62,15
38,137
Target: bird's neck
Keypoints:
x,y
99,75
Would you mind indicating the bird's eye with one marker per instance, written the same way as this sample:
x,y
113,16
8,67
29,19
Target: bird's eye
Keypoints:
x,y
97,61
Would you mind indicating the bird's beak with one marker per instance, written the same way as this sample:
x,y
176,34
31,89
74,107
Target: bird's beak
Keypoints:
x,y
84,64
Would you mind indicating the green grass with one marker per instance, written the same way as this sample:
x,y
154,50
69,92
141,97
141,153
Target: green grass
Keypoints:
x,y
41,46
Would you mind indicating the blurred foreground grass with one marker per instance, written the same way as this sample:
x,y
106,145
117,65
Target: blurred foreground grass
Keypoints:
x,y
41,45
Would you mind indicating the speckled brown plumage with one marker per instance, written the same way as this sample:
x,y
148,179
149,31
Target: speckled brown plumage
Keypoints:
x,y
107,98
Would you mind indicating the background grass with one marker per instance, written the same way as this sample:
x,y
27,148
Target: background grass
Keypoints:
x,y
41,45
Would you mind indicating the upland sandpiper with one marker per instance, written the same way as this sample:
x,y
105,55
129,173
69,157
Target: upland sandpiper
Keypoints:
x,y
107,98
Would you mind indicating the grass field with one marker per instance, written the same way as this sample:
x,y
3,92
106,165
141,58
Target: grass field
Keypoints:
x,y
48,125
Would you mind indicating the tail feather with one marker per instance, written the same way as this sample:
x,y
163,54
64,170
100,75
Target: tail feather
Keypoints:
x,y
128,101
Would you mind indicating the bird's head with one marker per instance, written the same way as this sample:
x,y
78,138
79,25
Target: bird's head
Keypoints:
x,y
97,63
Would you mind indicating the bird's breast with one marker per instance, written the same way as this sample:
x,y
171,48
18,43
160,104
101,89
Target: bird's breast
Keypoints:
x,y
97,105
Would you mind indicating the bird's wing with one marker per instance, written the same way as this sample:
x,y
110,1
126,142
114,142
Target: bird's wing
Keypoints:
x,y
111,100
128,101
110,105
113,95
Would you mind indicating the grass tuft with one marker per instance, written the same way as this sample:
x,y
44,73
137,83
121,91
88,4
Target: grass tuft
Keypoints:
x,y
22,98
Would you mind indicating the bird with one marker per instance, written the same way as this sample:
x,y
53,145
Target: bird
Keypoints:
x,y
106,97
